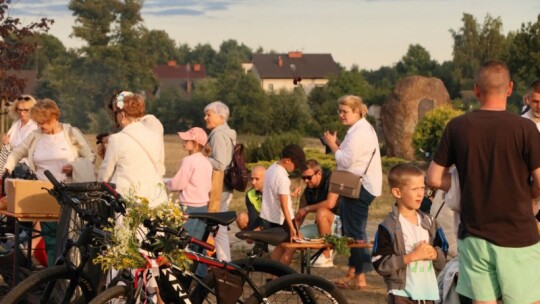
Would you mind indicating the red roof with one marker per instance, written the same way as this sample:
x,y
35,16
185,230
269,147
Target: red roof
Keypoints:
x,y
179,71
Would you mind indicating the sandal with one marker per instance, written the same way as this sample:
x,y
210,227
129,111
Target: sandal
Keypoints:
x,y
348,283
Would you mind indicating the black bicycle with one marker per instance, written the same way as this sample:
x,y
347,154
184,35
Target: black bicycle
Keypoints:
x,y
67,281
230,281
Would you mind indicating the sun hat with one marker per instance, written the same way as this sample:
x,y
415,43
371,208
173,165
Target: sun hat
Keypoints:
x,y
196,134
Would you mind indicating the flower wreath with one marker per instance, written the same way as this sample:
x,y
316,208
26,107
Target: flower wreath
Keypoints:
x,y
121,249
120,98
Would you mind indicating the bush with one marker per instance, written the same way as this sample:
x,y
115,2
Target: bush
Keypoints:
x,y
429,130
271,147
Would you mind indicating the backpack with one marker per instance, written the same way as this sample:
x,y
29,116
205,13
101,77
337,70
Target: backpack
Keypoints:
x,y
236,174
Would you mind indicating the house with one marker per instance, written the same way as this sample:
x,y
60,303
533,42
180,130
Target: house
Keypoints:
x,y
286,71
180,77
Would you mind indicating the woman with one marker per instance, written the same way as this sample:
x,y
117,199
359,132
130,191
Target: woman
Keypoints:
x,y
22,126
359,154
221,141
54,147
132,158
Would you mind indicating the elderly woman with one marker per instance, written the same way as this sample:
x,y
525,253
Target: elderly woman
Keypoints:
x,y
221,141
54,147
132,159
23,125
358,154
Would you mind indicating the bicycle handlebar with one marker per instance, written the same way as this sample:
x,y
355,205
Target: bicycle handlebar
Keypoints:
x,y
185,239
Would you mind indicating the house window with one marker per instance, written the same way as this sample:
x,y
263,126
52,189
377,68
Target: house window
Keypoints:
x,y
271,87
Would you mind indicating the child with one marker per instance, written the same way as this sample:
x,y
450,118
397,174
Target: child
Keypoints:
x,y
276,210
194,178
409,243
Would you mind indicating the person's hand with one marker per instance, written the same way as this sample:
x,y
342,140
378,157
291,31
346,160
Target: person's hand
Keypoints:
x,y
293,233
330,138
296,191
102,146
5,139
67,170
424,251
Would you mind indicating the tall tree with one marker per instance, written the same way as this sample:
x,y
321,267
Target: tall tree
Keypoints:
x,y
94,20
159,47
417,61
474,44
231,55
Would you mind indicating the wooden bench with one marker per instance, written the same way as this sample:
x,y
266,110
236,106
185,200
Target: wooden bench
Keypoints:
x,y
306,260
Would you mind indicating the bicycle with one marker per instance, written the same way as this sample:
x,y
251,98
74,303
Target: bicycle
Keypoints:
x,y
67,282
229,280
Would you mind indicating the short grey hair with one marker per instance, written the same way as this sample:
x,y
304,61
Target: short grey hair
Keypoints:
x,y
219,108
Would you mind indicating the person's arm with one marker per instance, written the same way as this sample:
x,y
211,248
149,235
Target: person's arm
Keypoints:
x,y
383,258
329,203
222,151
284,202
535,186
181,179
108,165
19,153
438,177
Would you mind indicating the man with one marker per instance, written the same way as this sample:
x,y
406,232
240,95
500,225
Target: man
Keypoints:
x,y
495,153
318,200
250,220
532,100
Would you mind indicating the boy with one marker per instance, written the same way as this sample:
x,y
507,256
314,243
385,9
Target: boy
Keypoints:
x,y
409,243
277,208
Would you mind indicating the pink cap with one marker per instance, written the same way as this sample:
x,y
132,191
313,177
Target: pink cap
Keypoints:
x,y
196,134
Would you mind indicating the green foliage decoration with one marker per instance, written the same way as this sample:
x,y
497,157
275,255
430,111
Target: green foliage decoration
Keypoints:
x,y
429,130
339,244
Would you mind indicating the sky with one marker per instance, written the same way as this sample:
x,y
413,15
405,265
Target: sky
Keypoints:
x,y
366,33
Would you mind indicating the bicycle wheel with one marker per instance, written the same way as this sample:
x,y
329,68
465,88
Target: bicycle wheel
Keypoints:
x,y
49,286
299,288
117,294
6,273
259,270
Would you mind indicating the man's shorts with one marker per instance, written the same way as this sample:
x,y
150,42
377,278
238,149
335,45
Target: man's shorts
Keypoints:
x,y
488,272
310,231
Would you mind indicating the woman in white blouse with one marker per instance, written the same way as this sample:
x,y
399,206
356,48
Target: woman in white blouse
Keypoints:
x,y
359,154
134,155
23,125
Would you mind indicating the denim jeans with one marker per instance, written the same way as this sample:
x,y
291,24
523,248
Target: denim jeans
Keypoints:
x,y
354,216
196,228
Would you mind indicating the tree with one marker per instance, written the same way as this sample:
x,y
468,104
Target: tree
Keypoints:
x,y
417,61
94,20
523,57
230,57
475,44
202,53
430,129
16,48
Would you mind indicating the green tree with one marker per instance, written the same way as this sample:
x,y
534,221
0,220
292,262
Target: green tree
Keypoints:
x,y
202,53
417,61
474,44
290,112
429,130
231,55
159,47
523,57
94,20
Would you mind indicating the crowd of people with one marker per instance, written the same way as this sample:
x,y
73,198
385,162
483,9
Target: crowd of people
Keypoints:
x,y
495,155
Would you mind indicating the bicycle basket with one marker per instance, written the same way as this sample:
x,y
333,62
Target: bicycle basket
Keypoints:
x,y
229,286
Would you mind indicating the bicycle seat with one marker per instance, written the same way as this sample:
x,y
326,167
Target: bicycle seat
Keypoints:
x,y
272,236
221,218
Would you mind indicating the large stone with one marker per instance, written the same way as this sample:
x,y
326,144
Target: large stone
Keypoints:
x,y
411,99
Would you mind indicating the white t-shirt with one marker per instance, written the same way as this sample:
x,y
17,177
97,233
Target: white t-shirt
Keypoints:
x,y
421,281
53,151
276,183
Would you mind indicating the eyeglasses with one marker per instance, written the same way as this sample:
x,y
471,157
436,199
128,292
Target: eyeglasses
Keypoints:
x,y
309,177
25,98
22,110
344,112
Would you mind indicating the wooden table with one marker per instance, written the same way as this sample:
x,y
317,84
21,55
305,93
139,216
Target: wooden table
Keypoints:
x,y
304,248
26,217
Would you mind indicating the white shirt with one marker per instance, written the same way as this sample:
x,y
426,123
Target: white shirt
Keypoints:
x,y
355,152
276,183
18,133
53,151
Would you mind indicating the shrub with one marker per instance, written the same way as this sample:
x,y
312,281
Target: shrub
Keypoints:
x,y
271,147
429,130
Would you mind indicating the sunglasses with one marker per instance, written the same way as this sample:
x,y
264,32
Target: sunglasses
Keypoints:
x,y
309,177
22,110
25,98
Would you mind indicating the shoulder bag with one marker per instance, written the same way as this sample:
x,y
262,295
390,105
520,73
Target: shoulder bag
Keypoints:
x,y
346,183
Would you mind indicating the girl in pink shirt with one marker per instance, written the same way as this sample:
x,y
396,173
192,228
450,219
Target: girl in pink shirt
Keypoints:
x,y
194,178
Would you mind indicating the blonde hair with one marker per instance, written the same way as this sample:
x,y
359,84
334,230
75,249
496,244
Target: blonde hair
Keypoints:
x,y
205,150
21,100
354,102
44,111
400,174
